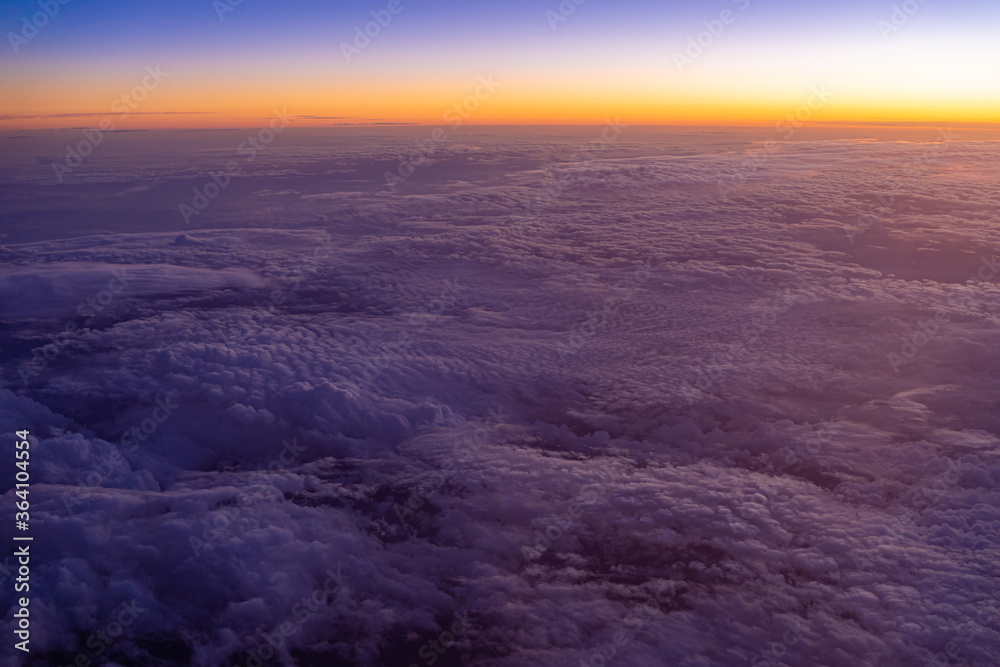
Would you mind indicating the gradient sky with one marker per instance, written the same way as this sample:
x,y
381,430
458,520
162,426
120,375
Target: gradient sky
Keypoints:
x,y
607,59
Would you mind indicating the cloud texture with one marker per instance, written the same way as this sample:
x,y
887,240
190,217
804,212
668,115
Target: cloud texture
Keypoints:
x,y
523,410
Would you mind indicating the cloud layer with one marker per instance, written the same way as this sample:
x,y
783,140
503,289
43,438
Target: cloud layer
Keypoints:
x,y
602,409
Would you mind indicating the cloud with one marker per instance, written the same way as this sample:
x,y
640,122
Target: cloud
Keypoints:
x,y
645,425
58,290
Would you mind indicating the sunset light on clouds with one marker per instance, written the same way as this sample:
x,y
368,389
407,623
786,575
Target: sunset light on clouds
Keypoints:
x,y
538,333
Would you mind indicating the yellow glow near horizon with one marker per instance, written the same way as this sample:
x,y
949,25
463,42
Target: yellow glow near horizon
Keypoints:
x,y
731,85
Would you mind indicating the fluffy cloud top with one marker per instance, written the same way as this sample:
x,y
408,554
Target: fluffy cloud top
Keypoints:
x,y
717,409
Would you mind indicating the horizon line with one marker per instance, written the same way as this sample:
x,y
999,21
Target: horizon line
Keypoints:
x,y
384,124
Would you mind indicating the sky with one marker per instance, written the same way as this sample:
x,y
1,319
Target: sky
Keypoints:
x,y
725,62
